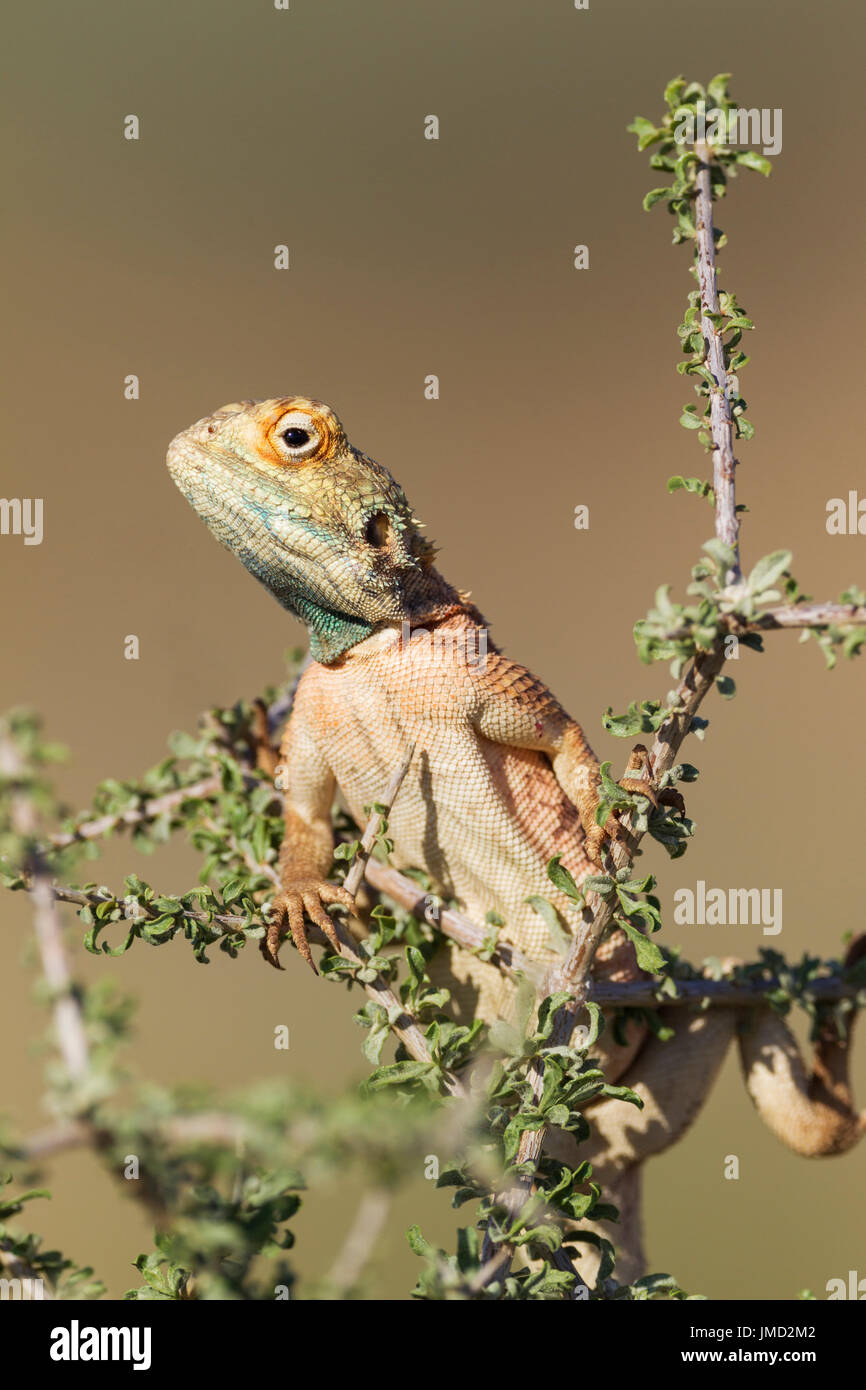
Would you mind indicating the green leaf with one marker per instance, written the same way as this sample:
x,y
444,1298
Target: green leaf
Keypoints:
x,y
717,89
418,1244
562,879
663,602
750,159
769,570
602,884
12,1206
560,939
648,911
646,131
398,1074
233,889
674,91
647,953
505,1038
685,221
721,553
641,718
697,485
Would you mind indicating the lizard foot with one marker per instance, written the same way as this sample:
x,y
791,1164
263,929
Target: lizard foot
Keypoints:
x,y
303,897
636,780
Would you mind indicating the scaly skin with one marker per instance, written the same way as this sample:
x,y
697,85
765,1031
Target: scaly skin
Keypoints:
x,y
501,778
498,763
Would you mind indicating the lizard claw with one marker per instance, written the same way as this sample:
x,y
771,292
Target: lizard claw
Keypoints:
x,y
671,797
303,897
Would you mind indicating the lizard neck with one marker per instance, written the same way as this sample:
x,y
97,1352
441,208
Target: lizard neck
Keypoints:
x,y
331,634
426,598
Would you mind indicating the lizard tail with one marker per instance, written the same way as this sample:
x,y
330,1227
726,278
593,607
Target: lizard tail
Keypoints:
x,y
814,1113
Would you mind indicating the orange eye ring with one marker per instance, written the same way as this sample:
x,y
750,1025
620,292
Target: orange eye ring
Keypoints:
x,y
300,436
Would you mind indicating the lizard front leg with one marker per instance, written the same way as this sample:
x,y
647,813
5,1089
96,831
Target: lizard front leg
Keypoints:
x,y
307,849
518,710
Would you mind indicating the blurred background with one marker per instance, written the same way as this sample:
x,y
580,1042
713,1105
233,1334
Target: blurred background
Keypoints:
x,y
411,257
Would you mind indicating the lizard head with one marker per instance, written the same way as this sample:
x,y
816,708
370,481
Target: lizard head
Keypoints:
x,y
326,529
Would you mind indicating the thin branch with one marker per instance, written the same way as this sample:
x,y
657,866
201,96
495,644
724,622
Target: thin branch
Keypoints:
x,y
225,923
783,617
810,615
724,993
448,920
204,1127
401,1022
52,1140
149,810
68,1021
375,824
572,975
360,1240
721,418
492,1266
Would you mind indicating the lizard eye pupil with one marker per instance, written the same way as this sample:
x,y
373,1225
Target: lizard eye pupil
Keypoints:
x,y
296,438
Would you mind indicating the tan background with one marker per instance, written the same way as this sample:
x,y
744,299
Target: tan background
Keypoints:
x,y
558,387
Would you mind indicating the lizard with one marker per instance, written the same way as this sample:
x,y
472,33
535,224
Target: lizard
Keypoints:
x,y
501,778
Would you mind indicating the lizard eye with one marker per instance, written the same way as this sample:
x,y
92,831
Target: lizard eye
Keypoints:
x,y
298,435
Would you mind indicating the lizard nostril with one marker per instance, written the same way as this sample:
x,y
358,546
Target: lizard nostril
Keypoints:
x,y
378,530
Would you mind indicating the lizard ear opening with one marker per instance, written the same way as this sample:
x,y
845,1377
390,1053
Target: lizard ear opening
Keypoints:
x,y
378,532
